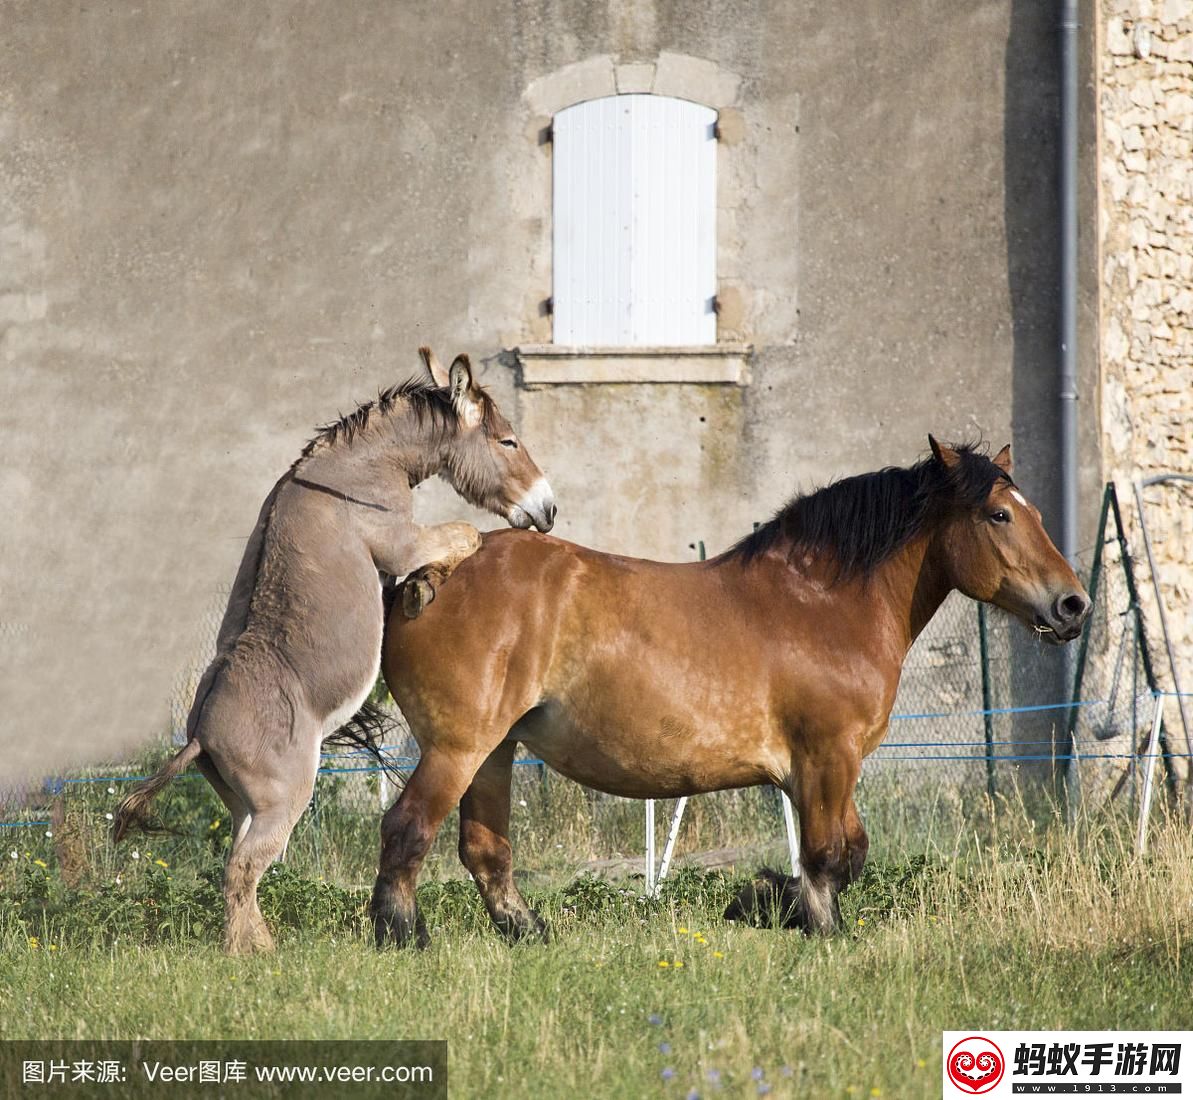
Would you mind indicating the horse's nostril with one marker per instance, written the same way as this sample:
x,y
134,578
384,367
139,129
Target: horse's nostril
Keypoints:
x,y
1073,606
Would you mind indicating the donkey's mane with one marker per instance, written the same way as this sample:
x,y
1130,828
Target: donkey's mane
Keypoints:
x,y
426,400
863,520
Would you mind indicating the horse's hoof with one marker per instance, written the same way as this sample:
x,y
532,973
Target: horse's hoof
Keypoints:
x,y
416,595
395,931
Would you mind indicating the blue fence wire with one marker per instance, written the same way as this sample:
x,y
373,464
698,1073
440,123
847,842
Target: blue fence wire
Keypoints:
x,y
982,746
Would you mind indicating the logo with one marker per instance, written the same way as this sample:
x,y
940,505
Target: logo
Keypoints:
x,y
975,1065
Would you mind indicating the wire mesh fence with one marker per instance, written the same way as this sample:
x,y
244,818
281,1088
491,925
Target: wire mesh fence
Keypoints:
x,y
985,710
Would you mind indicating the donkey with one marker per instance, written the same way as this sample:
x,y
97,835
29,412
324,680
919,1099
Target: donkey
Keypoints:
x,y
300,644
599,665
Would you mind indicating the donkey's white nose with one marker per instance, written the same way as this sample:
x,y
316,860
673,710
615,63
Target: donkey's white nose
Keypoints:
x,y
536,507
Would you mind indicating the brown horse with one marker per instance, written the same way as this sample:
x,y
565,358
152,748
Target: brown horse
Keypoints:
x,y
300,643
602,666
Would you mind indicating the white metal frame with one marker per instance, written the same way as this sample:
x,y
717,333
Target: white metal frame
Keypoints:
x,y
654,879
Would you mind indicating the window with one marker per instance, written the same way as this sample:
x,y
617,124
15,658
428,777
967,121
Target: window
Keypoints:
x,y
634,237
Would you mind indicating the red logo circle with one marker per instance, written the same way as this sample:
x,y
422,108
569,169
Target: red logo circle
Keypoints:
x,y
975,1065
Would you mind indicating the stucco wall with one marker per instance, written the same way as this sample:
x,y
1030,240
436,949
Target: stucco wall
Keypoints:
x,y
223,223
1146,115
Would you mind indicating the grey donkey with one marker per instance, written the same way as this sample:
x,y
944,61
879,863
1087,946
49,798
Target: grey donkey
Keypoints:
x,y
300,643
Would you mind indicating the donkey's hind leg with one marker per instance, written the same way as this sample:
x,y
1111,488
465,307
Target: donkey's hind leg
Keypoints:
x,y
236,807
275,794
485,847
407,832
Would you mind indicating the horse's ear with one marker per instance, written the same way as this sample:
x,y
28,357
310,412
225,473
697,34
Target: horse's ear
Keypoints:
x,y
1003,460
943,454
460,385
434,368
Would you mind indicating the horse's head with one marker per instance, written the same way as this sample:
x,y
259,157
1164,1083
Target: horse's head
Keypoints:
x,y
484,460
998,551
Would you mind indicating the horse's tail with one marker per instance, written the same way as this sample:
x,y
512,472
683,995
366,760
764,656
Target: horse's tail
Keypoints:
x,y
132,813
367,730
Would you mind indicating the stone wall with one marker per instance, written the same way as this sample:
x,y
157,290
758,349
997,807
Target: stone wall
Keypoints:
x,y
1145,67
222,223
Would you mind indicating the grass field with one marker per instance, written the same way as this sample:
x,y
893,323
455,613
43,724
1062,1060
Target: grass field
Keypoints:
x,y
984,922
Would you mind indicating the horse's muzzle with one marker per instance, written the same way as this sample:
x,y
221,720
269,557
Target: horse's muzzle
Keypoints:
x,y
1065,617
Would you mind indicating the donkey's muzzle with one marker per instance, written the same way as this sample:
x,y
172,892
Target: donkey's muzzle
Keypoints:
x,y
536,508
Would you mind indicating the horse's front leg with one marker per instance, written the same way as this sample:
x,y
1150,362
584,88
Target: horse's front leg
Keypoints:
x,y
438,551
833,842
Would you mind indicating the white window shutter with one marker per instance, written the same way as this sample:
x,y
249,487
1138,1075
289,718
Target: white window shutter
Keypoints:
x,y
635,222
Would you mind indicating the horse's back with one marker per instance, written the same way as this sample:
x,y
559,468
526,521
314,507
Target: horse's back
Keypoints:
x,y
500,608
590,659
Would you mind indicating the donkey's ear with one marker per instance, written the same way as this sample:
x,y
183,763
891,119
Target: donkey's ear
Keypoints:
x,y
943,453
1003,460
434,367
464,400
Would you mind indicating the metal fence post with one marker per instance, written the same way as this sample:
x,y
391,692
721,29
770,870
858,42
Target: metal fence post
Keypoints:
x,y
987,717
1145,655
1095,574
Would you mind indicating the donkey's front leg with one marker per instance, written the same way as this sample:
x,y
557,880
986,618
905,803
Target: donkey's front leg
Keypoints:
x,y
438,550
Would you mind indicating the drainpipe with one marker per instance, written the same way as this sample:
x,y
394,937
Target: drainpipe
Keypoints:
x,y
1068,278
1067,359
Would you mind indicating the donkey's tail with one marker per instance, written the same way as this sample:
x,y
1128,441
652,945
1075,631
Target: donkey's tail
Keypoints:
x,y
132,813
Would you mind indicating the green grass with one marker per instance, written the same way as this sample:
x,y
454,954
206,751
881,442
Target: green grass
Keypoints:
x,y
1007,926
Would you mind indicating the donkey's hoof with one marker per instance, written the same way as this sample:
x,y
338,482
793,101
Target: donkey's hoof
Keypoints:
x,y
417,593
258,942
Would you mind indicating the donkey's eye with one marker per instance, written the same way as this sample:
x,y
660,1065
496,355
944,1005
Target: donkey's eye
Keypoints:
x,y
1001,516
511,443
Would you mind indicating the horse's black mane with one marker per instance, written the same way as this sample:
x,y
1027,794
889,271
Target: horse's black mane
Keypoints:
x,y
426,401
861,521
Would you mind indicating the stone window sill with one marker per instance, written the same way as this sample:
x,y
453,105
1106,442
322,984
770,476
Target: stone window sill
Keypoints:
x,y
554,364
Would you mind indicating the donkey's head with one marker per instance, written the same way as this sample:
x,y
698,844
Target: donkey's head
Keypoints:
x,y
996,549
484,460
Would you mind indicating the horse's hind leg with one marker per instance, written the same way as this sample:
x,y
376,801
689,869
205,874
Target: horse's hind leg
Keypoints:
x,y
407,832
485,847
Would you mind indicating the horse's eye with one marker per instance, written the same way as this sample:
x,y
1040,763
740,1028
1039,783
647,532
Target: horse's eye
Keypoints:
x,y
511,443
1001,516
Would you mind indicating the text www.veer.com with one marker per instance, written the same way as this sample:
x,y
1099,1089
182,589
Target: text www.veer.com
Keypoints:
x,y
388,1075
